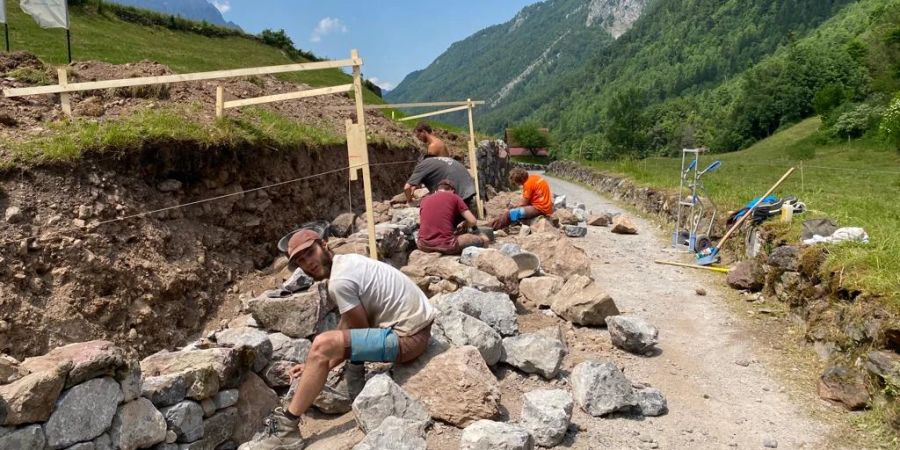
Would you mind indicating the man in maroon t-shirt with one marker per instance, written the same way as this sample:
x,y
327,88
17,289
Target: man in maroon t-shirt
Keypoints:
x,y
443,216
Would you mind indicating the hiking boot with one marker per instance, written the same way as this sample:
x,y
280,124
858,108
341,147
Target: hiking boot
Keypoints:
x,y
355,377
281,433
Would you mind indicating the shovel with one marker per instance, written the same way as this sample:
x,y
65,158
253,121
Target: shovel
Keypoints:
x,y
711,255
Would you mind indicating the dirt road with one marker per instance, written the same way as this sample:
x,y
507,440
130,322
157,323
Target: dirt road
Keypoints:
x,y
720,392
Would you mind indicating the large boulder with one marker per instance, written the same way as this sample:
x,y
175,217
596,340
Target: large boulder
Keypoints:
x,y
342,225
599,220
88,360
600,388
490,435
137,424
557,255
449,268
747,275
255,402
546,415
295,316
574,231
83,412
382,398
30,437
395,433
651,402
623,224
493,308
582,302
785,258
10,370
252,339
217,430
540,290
534,353
457,387
459,329
286,348
470,255
228,364
845,386
503,267
31,398
632,334
186,420
565,217
885,365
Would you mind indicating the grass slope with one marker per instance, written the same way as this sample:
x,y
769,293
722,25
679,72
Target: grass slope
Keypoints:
x,y
104,37
855,183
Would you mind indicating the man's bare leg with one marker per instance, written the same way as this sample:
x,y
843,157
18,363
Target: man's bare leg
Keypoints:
x,y
327,351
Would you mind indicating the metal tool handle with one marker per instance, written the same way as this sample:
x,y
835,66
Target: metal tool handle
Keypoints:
x,y
750,211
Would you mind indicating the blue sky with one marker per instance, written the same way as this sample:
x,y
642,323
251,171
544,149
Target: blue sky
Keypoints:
x,y
394,37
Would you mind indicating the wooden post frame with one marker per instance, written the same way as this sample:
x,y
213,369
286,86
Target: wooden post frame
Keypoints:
x,y
64,99
473,160
220,102
358,150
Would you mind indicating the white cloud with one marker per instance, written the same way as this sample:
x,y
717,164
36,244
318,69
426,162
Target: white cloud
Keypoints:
x,y
222,5
327,26
386,85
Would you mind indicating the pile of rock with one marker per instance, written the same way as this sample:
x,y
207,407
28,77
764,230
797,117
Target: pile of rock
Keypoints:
x,y
90,396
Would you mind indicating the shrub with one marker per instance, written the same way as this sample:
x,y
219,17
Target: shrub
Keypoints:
x,y
890,123
855,121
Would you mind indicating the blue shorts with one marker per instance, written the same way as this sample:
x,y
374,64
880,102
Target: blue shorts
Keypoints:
x,y
373,345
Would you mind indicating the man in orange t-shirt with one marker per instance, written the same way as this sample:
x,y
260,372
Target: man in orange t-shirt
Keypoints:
x,y
536,199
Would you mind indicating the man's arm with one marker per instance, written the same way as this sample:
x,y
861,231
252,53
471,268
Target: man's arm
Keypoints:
x,y
470,218
408,189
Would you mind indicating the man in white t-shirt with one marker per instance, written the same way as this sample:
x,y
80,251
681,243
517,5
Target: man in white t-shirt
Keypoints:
x,y
385,317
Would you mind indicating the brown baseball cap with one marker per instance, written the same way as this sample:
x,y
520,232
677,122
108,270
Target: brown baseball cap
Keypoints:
x,y
300,241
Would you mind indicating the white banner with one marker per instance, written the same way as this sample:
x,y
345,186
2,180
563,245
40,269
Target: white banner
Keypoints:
x,y
47,13
2,12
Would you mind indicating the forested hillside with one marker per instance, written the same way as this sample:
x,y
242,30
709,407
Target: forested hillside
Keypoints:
x,y
693,72
504,63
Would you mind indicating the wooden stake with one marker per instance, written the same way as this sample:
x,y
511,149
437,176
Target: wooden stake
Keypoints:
x,y
64,99
220,102
364,153
473,160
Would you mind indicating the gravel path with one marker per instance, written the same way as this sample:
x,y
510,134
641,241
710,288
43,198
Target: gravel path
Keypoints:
x,y
719,393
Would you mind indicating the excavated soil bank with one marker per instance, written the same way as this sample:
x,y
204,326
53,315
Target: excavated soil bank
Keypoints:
x,y
150,282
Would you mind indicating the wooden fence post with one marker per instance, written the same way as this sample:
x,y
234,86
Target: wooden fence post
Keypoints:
x,y
64,98
220,102
473,159
362,154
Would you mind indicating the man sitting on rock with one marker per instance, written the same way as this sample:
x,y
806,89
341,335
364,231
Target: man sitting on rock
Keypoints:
x,y
536,199
436,147
431,171
385,317
443,218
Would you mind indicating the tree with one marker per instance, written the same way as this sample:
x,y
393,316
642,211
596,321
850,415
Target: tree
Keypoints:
x,y
530,136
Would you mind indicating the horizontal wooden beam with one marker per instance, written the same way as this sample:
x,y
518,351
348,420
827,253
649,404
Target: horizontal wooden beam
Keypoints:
x,y
289,96
435,113
180,78
409,105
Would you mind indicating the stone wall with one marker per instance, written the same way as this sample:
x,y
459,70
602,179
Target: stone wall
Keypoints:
x,y
493,165
211,394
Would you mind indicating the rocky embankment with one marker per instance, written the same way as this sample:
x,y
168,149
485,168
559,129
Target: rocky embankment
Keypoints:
x,y
213,393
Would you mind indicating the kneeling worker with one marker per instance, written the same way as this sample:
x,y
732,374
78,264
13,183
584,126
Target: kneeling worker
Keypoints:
x,y
536,199
385,317
431,170
443,218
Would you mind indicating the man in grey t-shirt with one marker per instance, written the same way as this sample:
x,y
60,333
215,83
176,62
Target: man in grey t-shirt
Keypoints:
x,y
431,170
385,317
